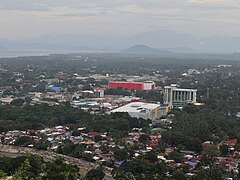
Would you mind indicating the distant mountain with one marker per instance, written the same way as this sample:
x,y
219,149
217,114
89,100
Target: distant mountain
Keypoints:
x,y
167,39
143,49
161,39
164,39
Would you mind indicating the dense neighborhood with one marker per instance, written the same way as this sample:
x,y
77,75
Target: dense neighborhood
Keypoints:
x,y
148,122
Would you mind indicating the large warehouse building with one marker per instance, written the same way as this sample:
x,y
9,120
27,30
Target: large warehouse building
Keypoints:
x,y
177,97
138,86
143,110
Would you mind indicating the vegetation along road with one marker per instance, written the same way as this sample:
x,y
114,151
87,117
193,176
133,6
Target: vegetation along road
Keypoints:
x,y
15,151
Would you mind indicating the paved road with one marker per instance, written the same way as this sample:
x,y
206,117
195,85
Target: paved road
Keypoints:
x,y
13,151
7,154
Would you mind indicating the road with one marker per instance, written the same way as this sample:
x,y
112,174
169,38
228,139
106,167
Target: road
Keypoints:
x,y
14,151
7,154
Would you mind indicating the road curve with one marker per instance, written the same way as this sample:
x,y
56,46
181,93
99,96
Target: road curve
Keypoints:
x,y
15,151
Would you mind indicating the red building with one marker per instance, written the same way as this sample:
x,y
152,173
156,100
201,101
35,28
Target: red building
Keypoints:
x,y
138,86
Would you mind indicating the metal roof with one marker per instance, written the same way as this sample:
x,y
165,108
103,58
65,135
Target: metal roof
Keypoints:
x,y
136,107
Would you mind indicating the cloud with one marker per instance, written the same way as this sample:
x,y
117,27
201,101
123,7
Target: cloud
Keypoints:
x,y
39,17
23,6
208,1
79,14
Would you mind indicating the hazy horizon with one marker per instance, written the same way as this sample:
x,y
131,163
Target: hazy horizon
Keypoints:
x,y
190,25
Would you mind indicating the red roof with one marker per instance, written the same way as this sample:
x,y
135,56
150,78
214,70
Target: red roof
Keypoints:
x,y
7,87
231,142
25,81
31,130
93,133
101,88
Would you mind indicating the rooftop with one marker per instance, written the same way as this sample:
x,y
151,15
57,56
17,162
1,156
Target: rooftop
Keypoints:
x,y
136,107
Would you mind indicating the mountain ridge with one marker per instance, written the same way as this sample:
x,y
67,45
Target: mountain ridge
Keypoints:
x,y
143,49
161,39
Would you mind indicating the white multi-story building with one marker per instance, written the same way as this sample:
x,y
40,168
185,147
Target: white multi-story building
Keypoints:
x,y
177,97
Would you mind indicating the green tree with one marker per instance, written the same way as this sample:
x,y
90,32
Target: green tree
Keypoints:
x,y
23,141
224,150
17,102
24,171
28,100
144,138
58,169
120,154
95,174
209,153
3,175
151,156
177,156
215,173
178,175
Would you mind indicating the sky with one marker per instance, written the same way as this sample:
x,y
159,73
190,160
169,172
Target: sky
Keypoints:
x,y
32,18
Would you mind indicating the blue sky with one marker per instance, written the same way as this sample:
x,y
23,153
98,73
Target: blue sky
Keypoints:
x,y
31,18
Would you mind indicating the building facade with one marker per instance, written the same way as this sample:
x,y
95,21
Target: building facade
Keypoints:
x,y
177,97
138,86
